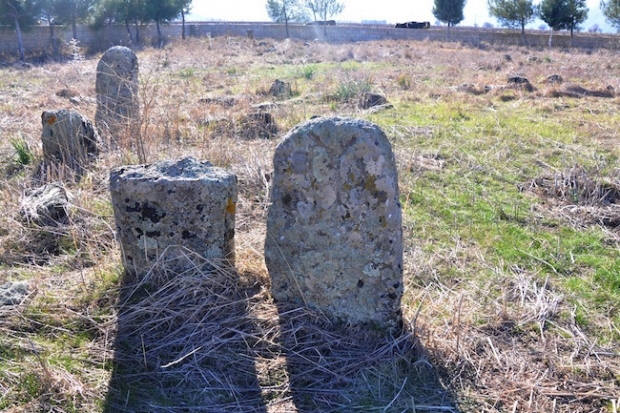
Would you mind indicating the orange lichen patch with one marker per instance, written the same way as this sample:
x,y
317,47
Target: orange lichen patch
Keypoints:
x,y
51,120
231,207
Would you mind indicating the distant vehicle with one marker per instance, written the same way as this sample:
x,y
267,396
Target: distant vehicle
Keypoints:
x,y
413,25
322,23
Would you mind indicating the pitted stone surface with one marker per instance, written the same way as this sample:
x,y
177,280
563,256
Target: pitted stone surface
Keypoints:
x,y
334,233
117,93
47,205
12,293
171,207
68,138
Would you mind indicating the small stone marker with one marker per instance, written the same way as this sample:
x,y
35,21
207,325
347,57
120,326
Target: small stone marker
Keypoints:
x,y
13,293
118,111
68,138
164,209
280,89
47,205
369,100
334,234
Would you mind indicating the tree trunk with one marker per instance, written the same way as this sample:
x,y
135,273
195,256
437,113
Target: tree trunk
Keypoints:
x,y
285,19
137,26
129,31
74,25
183,27
160,38
20,42
53,40
523,34
551,39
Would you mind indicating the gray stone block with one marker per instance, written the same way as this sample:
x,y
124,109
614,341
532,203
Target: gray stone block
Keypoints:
x,y
13,293
68,138
47,205
334,232
168,211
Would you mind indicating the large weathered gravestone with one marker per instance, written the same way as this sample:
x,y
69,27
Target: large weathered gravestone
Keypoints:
x,y
118,111
168,211
334,235
68,138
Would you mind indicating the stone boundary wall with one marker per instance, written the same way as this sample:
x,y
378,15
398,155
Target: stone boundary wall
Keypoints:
x,y
37,40
358,32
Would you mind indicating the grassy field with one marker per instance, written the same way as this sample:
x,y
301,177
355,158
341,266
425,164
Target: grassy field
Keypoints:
x,y
510,208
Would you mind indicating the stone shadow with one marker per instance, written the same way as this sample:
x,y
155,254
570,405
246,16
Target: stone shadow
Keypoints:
x,y
184,343
334,244
338,368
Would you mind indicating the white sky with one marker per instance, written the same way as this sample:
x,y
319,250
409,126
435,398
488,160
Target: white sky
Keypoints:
x,y
357,10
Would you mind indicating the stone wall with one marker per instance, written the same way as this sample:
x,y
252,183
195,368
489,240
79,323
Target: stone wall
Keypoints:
x,y
37,40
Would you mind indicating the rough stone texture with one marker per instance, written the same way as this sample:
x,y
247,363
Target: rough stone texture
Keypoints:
x,y
225,101
368,100
334,234
258,125
118,111
68,138
12,293
47,205
522,83
554,79
280,89
164,209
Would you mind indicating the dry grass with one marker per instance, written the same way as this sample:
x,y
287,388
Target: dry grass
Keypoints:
x,y
216,342
85,340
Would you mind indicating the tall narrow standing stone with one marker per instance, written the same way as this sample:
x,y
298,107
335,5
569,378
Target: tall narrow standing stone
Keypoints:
x,y
118,111
334,235
168,211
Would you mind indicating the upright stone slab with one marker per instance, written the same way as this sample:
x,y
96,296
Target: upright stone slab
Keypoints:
x,y
118,111
68,138
164,209
334,235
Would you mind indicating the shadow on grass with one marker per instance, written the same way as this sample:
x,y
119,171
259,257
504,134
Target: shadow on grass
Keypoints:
x,y
213,341
184,344
337,369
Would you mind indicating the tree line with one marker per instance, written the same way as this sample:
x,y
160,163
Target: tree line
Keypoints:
x,y
558,14
24,14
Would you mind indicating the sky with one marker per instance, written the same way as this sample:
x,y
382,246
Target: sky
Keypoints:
x,y
391,11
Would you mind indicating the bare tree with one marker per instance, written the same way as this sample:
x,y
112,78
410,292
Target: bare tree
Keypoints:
x,y
21,14
323,9
286,11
